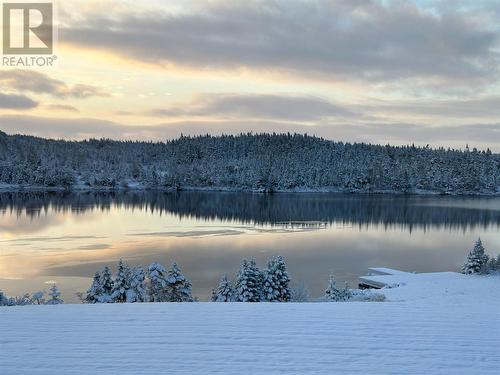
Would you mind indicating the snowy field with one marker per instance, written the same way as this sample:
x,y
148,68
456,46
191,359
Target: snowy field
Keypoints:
x,y
434,324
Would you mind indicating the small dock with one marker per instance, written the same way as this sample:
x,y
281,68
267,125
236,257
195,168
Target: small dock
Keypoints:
x,y
372,279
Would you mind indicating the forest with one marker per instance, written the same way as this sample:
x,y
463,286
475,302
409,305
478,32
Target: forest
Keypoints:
x,y
249,162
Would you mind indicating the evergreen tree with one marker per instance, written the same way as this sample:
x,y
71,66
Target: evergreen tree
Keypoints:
x,y
106,283
121,283
157,286
248,283
276,281
178,286
332,293
54,295
95,291
476,260
224,291
137,291
4,300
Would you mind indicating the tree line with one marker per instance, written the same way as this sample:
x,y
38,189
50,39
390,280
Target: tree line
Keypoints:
x,y
256,162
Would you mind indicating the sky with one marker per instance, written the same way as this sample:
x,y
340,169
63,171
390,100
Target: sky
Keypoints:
x,y
398,72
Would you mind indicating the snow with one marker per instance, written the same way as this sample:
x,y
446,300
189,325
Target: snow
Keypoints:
x,y
441,323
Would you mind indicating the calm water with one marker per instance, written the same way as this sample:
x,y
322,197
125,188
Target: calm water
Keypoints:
x,y
67,237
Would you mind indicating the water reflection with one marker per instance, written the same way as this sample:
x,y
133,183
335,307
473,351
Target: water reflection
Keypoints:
x,y
66,237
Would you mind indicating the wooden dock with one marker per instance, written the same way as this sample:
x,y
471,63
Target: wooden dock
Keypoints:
x,y
370,281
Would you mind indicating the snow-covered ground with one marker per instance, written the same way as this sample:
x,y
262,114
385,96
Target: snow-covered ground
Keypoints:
x,y
442,323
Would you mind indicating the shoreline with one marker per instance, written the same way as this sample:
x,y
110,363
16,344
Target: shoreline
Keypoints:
x,y
7,188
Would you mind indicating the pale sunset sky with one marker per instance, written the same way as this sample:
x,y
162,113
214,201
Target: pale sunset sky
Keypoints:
x,y
398,72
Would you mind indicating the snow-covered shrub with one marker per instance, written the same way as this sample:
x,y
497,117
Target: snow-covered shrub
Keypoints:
x,y
54,295
224,291
332,293
366,295
248,283
299,293
476,260
178,286
157,283
276,281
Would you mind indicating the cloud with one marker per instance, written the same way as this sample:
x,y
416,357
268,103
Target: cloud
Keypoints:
x,y
476,135
39,83
11,101
326,39
256,106
62,107
476,107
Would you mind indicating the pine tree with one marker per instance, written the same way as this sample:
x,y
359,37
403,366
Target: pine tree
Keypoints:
x,y
121,283
476,260
248,283
137,291
157,286
106,283
4,300
95,291
224,291
178,286
54,295
332,293
276,281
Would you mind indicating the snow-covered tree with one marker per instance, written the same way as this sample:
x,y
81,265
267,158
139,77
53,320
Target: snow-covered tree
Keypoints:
x,y
157,285
137,291
121,283
54,295
476,260
276,281
106,282
224,291
4,300
332,293
95,291
178,286
248,283
37,298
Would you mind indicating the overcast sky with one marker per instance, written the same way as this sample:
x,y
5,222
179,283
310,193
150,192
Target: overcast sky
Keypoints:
x,y
399,72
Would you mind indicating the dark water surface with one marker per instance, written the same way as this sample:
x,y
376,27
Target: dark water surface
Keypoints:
x,y
65,238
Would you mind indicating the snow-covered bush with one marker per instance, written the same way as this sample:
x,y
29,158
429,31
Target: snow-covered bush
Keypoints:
x,y
366,295
299,293
248,283
276,281
178,286
477,260
332,293
224,291
54,295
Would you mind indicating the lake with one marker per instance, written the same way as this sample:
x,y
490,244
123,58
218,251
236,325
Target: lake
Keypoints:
x,y
66,237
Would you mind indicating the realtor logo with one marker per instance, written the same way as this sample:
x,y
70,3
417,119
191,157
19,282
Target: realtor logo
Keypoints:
x,y
28,29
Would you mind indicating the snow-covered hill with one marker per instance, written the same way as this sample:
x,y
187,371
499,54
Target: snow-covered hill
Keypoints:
x,y
438,326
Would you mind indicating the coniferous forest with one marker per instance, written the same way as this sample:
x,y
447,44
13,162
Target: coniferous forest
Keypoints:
x,y
256,162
